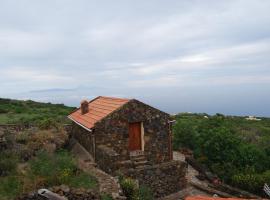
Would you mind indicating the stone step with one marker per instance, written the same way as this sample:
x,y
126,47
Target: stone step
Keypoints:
x,y
140,163
141,158
124,163
141,166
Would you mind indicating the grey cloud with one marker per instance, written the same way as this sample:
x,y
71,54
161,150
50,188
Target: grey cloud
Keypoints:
x,y
153,50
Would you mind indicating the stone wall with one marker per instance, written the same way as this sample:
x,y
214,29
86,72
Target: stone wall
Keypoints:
x,y
13,128
163,179
107,158
112,131
84,137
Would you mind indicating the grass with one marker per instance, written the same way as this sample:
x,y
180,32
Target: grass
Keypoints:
x,y
45,170
82,180
31,112
10,187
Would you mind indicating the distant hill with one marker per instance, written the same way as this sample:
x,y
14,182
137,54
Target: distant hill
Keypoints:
x,y
31,112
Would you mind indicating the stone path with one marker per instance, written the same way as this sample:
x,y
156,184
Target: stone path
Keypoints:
x,y
107,183
191,172
190,190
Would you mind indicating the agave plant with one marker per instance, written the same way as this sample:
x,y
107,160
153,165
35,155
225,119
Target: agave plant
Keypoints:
x,y
266,189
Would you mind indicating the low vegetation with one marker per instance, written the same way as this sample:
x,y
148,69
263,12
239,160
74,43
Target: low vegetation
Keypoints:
x,y
32,113
134,192
34,158
44,170
235,149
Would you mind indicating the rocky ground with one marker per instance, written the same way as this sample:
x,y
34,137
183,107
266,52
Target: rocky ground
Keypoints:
x,y
193,183
107,184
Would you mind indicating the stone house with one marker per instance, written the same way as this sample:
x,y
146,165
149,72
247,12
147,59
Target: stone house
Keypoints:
x,y
129,136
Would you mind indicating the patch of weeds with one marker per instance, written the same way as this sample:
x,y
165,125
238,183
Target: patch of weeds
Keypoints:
x,y
60,168
82,180
22,137
10,187
106,197
8,163
133,191
145,193
129,187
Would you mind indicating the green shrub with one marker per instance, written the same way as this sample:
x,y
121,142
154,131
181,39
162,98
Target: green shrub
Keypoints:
x,y
251,181
184,135
22,137
235,149
43,164
82,180
47,123
145,193
55,168
8,163
10,187
106,197
130,188
60,168
3,110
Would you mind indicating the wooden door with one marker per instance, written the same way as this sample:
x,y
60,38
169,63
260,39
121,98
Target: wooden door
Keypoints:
x,y
134,136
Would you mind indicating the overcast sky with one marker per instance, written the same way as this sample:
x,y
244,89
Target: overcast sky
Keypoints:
x,y
179,56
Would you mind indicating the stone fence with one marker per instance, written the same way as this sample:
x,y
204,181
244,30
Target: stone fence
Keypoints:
x,y
106,159
14,128
163,179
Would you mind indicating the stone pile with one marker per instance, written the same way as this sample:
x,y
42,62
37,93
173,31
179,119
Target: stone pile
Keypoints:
x,y
69,193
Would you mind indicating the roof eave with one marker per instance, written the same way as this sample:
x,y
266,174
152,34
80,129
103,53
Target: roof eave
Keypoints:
x,y
90,130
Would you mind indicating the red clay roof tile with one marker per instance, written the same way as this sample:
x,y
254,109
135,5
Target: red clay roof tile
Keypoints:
x,y
99,108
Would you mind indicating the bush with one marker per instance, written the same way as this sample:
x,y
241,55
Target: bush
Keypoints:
x,y
82,180
10,187
145,193
8,163
55,169
130,188
106,197
134,192
60,168
40,138
222,143
251,181
2,111
184,135
48,123
22,137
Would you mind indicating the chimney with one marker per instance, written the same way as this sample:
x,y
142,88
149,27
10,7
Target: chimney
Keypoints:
x,y
84,107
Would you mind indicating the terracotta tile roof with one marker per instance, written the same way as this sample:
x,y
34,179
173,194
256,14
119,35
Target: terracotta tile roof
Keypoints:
x,y
99,108
211,198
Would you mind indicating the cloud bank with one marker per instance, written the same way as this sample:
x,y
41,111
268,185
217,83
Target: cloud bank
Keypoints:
x,y
210,56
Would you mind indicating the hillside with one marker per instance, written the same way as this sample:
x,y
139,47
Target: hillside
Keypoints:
x,y
234,148
31,112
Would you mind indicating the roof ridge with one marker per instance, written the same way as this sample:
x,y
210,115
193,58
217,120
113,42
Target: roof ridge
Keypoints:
x,y
107,97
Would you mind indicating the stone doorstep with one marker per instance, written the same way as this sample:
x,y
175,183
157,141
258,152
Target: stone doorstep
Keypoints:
x,y
138,158
136,153
140,163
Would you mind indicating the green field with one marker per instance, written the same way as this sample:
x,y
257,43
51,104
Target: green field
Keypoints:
x,y
31,112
